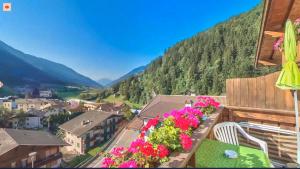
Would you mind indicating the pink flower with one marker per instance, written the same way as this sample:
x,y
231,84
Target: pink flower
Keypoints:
x,y
117,151
128,164
186,141
297,21
107,162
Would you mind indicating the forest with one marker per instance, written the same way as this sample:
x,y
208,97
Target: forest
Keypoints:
x,y
200,64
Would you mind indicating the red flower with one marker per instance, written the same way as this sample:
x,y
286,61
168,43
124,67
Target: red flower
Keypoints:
x,y
148,150
162,151
186,141
182,123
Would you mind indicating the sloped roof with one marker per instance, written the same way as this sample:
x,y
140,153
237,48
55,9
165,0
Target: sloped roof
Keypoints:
x,y
94,117
165,103
11,138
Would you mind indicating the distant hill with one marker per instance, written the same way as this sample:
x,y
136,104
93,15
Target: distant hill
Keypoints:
x,y
202,63
133,72
104,81
14,71
44,70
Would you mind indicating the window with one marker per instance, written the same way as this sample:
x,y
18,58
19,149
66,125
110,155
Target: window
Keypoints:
x,y
13,164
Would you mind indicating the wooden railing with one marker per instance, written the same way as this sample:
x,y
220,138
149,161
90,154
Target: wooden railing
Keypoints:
x,y
258,100
259,92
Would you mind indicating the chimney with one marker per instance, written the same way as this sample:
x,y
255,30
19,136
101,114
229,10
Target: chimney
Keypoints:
x,y
188,103
83,122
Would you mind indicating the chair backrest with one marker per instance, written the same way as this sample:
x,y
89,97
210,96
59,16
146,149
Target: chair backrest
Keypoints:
x,y
227,132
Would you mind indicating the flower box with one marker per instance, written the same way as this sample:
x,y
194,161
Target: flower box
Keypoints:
x,y
173,140
181,159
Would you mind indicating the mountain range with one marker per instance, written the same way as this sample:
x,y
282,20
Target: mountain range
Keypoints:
x,y
108,82
18,68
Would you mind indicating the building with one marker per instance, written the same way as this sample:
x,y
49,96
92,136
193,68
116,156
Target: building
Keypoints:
x,y
9,104
89,129
30,121
27,104
90,106
46,93
19,147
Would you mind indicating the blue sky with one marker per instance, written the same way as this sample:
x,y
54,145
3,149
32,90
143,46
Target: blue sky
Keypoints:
x,y
108,38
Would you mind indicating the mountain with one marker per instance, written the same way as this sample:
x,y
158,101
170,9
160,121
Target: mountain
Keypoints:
x,y
104,81
133,72
52,70
14,71
200,64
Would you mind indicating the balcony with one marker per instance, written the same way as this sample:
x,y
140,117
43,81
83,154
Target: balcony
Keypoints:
x,y
47,160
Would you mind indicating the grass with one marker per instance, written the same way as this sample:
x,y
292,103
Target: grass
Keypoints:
x,y
67,94
5,91
94,151
78,159
120,99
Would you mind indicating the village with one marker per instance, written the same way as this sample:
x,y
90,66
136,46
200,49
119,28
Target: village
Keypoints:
x,y
55,128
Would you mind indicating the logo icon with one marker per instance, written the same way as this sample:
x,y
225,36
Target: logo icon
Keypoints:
x,y
6,7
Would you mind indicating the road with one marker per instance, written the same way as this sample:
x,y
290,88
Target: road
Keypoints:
x,y
123,140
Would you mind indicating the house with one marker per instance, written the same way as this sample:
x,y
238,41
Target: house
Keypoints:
x,y
89,129
53,110
46,93
19,147
30,121
91,106
9,104
27,104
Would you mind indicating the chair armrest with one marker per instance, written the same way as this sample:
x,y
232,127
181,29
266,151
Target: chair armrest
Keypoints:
x,y
263,145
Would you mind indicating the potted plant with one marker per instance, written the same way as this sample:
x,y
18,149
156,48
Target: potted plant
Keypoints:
x,y
173,134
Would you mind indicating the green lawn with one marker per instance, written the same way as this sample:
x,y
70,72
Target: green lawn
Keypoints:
x,y
94,151
78,159
68,94
118,99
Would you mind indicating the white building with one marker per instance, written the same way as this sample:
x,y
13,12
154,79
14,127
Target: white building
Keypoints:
x,y
46,93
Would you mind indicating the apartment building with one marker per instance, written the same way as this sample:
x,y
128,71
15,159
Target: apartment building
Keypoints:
x,y
89,129
29,149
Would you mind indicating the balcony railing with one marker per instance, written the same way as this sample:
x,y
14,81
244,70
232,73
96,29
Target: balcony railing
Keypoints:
x,y
46,160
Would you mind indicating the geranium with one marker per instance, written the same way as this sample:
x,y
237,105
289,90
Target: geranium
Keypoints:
x,y
152,122
186,141
182,123
162,151
107,162
129,164
117,151
278,43
148,150
173,134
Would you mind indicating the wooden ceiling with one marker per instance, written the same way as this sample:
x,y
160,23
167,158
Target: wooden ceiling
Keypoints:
x,y
275,14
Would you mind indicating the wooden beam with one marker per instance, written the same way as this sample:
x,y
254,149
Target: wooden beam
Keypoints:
x,y
288,13
262,29
274,34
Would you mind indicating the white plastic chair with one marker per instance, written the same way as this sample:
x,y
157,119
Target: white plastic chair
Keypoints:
x,y
227,132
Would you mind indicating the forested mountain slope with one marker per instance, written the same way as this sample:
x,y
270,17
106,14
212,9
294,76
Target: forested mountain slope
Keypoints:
x,y
202,63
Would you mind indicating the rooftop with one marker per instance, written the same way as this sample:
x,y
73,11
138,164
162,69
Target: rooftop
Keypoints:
x,y
11,138
94,117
